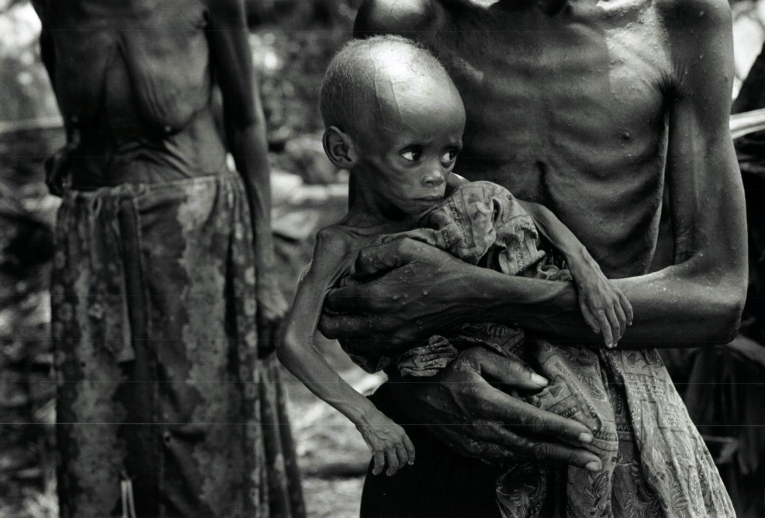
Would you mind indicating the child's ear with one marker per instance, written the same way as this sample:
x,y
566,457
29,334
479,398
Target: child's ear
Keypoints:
x,y
339,147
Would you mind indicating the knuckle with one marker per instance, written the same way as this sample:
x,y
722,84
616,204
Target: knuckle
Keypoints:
x,y
535,424
541,450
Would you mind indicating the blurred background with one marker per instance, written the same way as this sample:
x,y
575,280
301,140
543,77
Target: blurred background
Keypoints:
x,y
292,43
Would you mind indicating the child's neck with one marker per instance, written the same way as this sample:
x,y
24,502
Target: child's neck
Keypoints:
x,y
368,211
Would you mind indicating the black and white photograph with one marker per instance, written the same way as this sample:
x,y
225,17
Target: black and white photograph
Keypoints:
x,y
382,258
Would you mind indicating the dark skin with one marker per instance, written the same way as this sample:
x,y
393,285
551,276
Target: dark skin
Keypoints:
x,y
404,158
589,109
134,80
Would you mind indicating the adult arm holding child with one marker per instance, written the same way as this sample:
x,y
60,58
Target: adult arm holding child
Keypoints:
x,y
602,175
697,300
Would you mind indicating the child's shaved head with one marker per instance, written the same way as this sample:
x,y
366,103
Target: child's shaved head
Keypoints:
x,y
395,119
362,77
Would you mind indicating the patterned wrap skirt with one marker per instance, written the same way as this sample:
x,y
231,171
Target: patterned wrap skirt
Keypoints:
x,y
164,408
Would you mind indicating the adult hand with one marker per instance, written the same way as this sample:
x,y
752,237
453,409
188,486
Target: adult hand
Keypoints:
x,y
479,420
272,308
418,298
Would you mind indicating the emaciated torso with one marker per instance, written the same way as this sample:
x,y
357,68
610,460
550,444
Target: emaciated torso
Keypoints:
x,y
566,110
133,79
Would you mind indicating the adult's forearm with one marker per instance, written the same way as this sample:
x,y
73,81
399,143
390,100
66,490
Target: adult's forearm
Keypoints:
x,y
670,311
546,307
250,151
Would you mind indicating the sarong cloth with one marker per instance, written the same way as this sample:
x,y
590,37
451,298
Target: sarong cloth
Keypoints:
x,y
162,399
655,463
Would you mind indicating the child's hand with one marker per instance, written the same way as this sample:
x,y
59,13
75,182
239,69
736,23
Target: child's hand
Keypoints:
x,y
388,440
603,305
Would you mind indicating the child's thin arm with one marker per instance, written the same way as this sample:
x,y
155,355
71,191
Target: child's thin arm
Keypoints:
x,y
604,307
555,231
301,357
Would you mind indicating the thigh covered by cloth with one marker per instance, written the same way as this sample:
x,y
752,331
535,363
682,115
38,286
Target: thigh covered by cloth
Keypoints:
x,y
161,394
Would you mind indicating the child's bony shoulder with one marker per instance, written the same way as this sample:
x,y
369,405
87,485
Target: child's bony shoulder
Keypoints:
x,y
334,250
334,240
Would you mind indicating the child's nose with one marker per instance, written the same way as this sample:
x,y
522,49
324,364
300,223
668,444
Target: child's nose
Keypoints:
x,y
433,178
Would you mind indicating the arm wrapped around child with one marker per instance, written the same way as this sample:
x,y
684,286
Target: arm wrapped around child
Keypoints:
x,y
482,223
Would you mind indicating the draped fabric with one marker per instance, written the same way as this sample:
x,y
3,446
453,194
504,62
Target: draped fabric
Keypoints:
x,y
163,403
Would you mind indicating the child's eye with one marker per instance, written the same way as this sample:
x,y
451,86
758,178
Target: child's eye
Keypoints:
x,y
411,155
449,156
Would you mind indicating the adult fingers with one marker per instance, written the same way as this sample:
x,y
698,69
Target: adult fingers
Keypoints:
x,y
460,442
589,318
402,454
409,448
627,307
345,299
531,421
563,453
379,457
613,320
547,450
392,457
493,442
621,317
509,371
350,327
605,326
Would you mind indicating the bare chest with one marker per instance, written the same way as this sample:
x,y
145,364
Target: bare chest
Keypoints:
x,y
143,59
582,90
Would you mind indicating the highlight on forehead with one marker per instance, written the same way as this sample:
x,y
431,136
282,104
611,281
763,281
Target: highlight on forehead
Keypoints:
x,y
362,67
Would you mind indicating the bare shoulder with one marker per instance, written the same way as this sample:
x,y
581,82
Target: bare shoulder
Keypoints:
x,y
695,18
331,255
396,17
333,239
700,38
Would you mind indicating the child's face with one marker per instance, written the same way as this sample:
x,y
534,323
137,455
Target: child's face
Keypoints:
x,y
412,142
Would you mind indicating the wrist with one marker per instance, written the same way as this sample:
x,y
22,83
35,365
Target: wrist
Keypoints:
x,y
576,255
363,414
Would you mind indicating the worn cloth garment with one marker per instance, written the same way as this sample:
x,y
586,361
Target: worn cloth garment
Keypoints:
x,y
655,463
163,403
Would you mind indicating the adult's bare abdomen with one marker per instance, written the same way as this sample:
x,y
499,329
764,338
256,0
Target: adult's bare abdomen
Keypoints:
x,y
136,90
587,137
